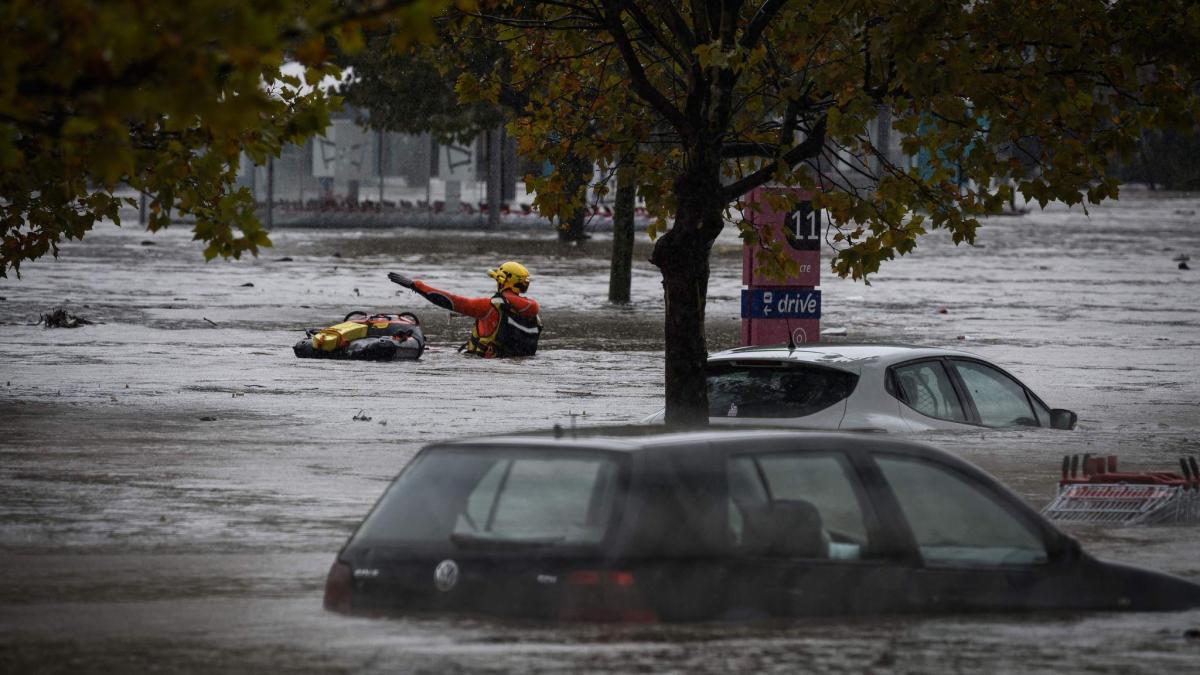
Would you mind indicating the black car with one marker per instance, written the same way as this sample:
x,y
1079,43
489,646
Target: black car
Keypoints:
x,y
711,525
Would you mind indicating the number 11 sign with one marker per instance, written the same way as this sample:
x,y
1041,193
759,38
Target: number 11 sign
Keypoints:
x,y
803,228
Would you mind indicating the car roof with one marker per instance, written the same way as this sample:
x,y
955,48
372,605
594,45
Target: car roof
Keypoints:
x,y
852,357
652,438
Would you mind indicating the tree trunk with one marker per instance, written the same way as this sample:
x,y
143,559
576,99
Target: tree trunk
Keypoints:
x,y
509,166
270,193
495,177
572,229
883,140
682,256
620,275
578,172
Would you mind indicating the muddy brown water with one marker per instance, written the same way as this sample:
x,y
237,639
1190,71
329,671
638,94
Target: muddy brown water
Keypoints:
x,y
174,483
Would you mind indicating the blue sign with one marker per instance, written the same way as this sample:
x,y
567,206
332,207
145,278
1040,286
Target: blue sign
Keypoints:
x,y
781,303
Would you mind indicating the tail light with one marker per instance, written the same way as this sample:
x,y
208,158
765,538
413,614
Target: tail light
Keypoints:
x,y
338,588
604,595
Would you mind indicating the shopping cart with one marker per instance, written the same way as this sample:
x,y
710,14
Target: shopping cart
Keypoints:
x,y
1094,491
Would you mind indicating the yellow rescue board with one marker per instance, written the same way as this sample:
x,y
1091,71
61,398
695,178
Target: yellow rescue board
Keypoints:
x,y
329,339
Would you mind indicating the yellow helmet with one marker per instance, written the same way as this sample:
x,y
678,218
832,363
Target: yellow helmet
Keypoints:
x,y
511,275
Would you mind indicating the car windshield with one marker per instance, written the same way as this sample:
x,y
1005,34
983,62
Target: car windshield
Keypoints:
x,y
498,498
773,389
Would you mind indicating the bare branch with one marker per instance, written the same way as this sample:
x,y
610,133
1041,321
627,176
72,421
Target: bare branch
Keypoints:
x,y
810,147
678,26
758,24
637,75
726,77
658,38
747,149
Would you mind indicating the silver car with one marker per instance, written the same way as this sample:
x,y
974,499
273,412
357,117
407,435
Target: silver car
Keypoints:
x,y
869,387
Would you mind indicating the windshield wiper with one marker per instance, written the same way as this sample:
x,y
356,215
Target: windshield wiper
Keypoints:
x,y
465,540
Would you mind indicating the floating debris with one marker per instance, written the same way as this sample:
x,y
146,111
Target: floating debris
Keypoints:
x,y
148,243
360,417
210,321
248,284
208,419
59,318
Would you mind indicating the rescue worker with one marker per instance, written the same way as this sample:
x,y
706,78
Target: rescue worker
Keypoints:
x,y
506,324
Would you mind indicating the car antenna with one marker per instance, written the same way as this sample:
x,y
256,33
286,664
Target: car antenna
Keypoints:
x,y
791,335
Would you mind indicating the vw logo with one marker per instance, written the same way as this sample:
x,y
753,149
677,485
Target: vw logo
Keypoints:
x,y
445,575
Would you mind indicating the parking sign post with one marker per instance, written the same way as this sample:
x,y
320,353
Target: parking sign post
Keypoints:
x,y
773,308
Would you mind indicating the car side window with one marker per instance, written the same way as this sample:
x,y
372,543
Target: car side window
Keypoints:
x,y
534,497
1000,400
925,387
796,506
957,521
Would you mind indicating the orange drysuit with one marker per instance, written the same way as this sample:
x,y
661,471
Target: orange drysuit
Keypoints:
x,y
521,313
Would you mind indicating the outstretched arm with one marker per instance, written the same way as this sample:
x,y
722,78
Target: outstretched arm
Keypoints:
x,y
472,307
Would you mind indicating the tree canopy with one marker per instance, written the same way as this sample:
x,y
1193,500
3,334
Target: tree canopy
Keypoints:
x,y
711,98
412,90
162,97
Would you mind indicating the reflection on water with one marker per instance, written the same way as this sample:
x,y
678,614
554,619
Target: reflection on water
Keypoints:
x,y
174,483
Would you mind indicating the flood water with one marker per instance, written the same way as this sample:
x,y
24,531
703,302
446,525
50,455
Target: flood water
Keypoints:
x,y
174,483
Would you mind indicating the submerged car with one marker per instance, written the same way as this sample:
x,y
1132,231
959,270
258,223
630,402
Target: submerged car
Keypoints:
x,y
869,388
726,524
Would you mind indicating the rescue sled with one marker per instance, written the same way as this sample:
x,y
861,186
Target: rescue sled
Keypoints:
x,y
363,337
1094,491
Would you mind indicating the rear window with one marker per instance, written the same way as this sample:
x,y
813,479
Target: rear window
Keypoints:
x,y
749,389
498,497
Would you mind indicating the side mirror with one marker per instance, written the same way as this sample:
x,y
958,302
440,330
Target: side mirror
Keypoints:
x,y
1063,419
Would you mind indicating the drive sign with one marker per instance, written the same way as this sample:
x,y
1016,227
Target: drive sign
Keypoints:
x,y
781,303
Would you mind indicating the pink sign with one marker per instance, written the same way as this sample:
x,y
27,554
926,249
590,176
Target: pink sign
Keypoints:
x,y
800,229
775,331
773,309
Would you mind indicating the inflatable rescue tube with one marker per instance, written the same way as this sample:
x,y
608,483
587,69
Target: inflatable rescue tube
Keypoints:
x,y
363,337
